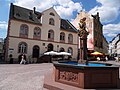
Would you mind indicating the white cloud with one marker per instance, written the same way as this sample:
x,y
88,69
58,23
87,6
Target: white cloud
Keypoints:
x,y
64,8
3,25
111,30
109,10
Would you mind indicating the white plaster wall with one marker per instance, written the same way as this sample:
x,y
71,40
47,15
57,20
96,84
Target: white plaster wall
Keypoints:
x,y
105,46
15,28
47,27
15,41
118,48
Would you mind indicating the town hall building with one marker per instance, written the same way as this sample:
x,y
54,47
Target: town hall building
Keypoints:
x,y
33,33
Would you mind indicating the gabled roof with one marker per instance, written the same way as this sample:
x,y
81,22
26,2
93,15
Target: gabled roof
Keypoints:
x,y
118,35
51,8
20,13
32,16
66,25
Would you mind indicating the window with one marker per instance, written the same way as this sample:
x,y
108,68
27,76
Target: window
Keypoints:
x,y
51,21
22,47
101,45
96,43
24,30
70,38
17,14
52,14
62,37
70,50
37,33
51,35
31,16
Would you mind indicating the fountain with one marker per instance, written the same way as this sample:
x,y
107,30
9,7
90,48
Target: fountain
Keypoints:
x,y
84,74
83,41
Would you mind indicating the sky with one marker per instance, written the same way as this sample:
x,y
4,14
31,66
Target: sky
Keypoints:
x,y
109,11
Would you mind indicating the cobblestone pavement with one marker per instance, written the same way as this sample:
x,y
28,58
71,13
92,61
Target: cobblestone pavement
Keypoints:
x,y
23,77
30,76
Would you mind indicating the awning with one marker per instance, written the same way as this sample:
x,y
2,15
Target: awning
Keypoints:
x,y
96,53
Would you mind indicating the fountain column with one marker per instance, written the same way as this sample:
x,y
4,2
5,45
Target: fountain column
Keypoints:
x,y
83,40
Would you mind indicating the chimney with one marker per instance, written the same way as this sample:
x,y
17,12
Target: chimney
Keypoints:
x,y
98,14
34,9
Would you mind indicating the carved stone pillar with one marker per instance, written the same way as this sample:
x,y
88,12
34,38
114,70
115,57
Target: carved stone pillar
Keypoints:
x,y
83,45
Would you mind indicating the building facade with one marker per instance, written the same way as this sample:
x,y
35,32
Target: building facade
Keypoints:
x,y
32,33
1,48
96,40
114,46
105,46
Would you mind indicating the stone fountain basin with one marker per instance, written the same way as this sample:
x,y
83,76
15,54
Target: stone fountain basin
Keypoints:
x,y
86,76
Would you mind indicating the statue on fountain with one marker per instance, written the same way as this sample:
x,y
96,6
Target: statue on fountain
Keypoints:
x,y
82,24
83,41
82,27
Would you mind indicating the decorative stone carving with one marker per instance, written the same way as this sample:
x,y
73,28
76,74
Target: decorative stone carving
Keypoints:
x,y
69,76
83,33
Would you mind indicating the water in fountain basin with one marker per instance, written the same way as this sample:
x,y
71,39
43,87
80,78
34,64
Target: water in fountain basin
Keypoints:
x,y
89,64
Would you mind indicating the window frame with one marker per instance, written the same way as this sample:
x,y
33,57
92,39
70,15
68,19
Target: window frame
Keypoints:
x,y
71,50
51,35
37,30
62,37
24,30
70,38
51,21
51,13
22,47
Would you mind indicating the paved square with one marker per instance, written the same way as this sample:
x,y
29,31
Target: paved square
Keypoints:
x,y
33,77
23,77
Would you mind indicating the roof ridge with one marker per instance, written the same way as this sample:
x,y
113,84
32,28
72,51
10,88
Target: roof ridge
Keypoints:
x,y
72,25
26,8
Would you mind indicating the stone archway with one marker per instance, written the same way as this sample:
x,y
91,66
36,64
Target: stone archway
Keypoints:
x,y
36,50
62,49
50,47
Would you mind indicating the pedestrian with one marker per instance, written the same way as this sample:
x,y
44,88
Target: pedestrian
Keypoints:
x,y
23,61
11,58
98,58
116,59
20,57
106,58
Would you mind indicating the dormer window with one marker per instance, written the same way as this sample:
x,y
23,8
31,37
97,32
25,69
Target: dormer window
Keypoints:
x,y
52,14
39,16
17,14
31,16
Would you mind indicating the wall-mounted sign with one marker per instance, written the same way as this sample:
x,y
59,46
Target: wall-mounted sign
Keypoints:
x,y
11,49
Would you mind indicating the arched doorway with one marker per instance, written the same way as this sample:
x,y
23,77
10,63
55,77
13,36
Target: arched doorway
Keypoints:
x,y
50,47
62,49
35,53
